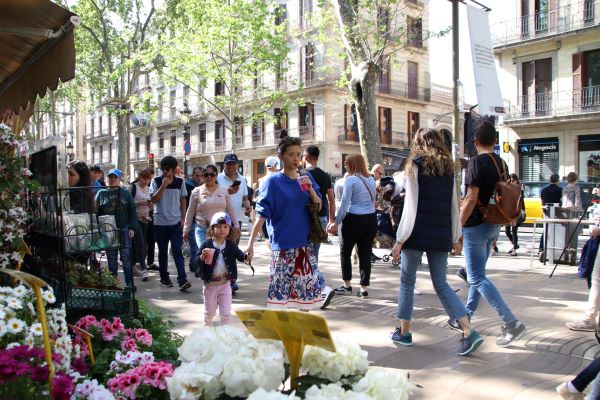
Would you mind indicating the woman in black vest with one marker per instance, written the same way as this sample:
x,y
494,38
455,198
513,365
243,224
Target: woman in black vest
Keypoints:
x,y
430,224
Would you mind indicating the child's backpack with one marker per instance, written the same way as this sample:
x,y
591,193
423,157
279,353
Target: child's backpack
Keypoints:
x,y
505,203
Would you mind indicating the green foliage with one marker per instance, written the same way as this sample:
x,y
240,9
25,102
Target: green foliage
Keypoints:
x,y
236,43
164,340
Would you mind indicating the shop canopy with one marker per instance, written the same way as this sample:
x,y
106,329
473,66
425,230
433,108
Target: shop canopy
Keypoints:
x,y
37,51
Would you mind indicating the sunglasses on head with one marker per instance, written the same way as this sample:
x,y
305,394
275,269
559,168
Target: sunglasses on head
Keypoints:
x,y
209,174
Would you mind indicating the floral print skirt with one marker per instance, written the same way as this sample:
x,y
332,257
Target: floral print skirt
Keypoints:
x,y
293,281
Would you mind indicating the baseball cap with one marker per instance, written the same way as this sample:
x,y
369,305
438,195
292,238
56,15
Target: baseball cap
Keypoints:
x,y
220,218
114,171
271,161
96,168
230,158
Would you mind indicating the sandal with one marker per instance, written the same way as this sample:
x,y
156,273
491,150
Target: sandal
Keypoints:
x,y
343,289
362,293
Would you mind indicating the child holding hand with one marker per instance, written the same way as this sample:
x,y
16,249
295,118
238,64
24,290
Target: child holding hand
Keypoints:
x,y
218,267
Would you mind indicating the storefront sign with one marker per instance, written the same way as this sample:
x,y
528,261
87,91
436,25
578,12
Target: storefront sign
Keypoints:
x,y
538,148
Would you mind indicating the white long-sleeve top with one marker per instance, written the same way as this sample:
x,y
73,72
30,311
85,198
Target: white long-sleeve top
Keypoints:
x,y
409,213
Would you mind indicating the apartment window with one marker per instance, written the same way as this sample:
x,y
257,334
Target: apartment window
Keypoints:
x,y
161,142
110,152
307,119
586,79
384,75
173,141
350,122
258,128
159,105
136,145
414,31
281,121
100,124
186,94
413,80
92,126
383,21
202,137
93,158
589,10
280,77
219,134
305,12
219,89
239,130
385,125
101,154
172,98
537,86
281,15
309,63
412,125
148,144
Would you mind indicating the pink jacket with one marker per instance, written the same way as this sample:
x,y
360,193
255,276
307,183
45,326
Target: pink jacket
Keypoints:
x,y
204,205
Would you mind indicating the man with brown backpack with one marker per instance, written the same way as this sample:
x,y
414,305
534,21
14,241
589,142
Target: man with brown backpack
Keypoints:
x,y
488,204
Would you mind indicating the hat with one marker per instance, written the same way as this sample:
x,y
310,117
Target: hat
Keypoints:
x,y
271,161
96,168
230,158
114,171
220,218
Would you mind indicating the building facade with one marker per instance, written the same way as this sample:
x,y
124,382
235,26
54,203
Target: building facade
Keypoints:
x,y
548,52
406,101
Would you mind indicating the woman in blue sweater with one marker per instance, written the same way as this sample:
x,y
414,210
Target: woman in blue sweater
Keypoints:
x,y
281,205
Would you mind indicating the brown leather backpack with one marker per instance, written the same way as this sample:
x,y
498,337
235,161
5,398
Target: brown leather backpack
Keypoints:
x,y
505,204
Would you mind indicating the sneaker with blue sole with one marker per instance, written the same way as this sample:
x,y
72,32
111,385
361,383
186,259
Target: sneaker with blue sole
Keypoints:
x,y
470,343
398,338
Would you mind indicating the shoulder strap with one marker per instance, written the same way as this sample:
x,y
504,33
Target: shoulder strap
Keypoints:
x,y
501,176
368,190
133,189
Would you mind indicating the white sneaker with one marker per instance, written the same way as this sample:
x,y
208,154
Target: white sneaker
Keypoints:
x,y
145,275
137,271
564,392
327,294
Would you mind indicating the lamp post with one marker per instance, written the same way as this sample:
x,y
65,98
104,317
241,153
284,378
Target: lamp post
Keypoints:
x,y
70,151
185,122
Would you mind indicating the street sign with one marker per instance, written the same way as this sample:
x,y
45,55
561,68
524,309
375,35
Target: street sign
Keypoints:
x,y
187,147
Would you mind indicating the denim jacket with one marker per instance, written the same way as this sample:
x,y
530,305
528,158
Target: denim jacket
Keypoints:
x,y
230,255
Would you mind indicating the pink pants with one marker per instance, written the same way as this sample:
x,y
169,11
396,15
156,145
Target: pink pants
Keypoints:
x,y
217,295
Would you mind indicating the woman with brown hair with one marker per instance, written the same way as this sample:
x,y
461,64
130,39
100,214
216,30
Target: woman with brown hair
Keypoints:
x,y
140,191
512,230
357,212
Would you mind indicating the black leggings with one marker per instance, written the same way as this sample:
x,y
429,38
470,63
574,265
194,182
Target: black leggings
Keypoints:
x,y
359,230
586,376
511,233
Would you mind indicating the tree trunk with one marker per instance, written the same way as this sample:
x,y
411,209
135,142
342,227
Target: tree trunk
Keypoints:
x,y
123,143
363,82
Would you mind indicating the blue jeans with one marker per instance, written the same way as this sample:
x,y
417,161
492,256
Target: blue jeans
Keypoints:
x,y
477,243
200,235
438,264
164,235
193,246
125,252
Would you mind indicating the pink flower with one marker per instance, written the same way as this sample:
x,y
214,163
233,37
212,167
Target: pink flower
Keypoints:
x,y
87,322
143,336
128,344
108,333
117,325
62,387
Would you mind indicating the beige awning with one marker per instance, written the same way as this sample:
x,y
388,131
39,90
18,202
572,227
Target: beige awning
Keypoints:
x,y
36,51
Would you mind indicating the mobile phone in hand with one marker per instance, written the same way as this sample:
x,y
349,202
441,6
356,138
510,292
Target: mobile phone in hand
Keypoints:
x,y
236,183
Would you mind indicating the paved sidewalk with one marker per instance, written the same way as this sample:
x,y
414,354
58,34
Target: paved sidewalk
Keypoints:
x,y
530,369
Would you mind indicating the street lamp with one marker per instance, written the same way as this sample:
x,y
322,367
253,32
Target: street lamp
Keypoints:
x,y
185,113
70,151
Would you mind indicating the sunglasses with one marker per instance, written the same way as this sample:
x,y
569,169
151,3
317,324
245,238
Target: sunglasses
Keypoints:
x,y
209,174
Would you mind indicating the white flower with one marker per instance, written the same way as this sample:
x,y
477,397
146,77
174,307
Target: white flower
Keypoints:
x,y
348,360
2,314
48,295
384,385
13,344
36,329
334,392
3,329
262,394
20,291
189,382
91,390
15,325
14,303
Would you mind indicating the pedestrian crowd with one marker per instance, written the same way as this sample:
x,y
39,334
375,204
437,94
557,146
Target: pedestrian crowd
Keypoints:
x,y
295,205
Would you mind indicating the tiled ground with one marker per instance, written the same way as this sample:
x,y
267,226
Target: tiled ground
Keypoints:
x,y
530,369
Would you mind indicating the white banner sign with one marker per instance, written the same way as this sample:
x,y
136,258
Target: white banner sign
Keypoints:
x,y
489,97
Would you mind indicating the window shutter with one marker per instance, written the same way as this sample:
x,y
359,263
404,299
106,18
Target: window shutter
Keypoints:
x,y
576,69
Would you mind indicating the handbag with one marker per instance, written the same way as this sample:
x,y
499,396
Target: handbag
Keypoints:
x,y
316,234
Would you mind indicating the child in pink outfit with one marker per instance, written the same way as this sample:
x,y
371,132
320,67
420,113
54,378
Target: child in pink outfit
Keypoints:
x,y
218,272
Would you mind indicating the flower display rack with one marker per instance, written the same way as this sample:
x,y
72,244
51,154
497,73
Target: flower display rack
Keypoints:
x,y
119,301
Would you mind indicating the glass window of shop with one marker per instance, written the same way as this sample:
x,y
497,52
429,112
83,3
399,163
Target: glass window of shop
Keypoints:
x,y
589,158
538,159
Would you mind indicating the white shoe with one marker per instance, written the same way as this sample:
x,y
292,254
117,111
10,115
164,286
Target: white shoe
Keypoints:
x,y
327,294
145,275
137,271
564,392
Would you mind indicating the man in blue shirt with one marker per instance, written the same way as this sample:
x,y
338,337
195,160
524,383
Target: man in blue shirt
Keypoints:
x,y
97,181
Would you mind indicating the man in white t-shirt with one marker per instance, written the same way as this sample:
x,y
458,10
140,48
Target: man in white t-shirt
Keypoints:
x,y
238,192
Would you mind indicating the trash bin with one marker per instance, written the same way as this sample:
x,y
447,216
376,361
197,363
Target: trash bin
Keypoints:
x,y
562,234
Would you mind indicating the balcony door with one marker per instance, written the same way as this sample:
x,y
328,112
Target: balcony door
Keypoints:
x,y
537,87
385,125
413,79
